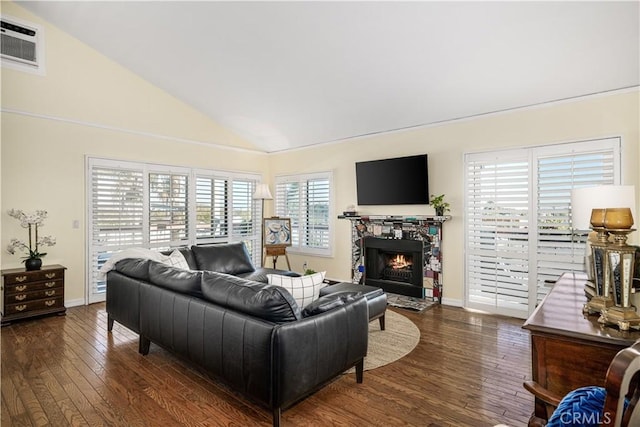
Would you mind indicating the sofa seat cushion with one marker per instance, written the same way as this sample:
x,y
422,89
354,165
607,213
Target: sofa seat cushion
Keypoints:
x,y
304,289
175,279
260,274
267,302
229,258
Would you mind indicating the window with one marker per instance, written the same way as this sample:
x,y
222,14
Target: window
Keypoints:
x,y
163,207
306,199
517,218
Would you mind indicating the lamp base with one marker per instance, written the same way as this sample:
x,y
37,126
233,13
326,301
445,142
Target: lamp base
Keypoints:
x,y
596,304
623,317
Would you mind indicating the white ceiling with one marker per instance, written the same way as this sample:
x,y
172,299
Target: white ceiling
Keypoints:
x,y
291,74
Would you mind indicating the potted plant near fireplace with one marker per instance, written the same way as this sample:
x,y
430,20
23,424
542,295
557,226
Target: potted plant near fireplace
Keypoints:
x,y
439,204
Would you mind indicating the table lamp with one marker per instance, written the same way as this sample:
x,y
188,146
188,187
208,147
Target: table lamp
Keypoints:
x,y
262,193
588,210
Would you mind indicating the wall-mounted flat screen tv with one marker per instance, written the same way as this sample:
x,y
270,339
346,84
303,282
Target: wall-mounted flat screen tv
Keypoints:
x,y
397,181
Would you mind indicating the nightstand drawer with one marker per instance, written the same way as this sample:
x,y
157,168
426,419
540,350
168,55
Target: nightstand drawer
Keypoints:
x,y
22,297
39,305
32,286
33,276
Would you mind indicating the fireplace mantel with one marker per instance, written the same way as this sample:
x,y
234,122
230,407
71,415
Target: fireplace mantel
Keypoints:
x,y
427,228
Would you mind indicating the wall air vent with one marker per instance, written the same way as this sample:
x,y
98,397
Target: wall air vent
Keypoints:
x,y
22,45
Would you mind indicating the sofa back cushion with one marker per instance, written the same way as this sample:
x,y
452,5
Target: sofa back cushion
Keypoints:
x,y
229,258
175,279
136,268
267,302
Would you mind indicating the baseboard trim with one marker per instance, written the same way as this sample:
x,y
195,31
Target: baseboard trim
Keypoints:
x,y
452,302
74,302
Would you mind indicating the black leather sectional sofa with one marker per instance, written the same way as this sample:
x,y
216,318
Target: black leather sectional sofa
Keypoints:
x,y
246,333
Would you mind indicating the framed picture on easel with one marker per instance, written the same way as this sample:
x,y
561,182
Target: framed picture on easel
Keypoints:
x,y
277,232
276,238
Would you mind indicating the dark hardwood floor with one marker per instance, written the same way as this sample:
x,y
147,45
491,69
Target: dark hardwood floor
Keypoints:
x,y
67,370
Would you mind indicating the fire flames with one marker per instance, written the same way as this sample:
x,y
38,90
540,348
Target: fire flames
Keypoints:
x,y
399,261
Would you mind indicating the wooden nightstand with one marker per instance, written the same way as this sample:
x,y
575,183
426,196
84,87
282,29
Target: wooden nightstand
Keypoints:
x,y
32,293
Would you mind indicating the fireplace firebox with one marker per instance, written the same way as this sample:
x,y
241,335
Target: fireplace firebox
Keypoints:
x,y
395,265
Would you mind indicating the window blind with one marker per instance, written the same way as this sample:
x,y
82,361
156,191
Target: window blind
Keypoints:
x,y
306,200
116,201
519,237
498,231
559,248
162,207
168,210
211,208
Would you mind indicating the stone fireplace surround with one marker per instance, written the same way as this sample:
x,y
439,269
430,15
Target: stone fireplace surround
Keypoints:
x,y
405,234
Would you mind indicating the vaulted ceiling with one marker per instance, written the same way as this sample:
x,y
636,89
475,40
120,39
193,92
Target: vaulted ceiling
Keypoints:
x,y
292,74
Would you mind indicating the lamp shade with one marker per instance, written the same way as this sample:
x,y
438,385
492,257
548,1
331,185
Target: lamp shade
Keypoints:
x,y
262,193
583,200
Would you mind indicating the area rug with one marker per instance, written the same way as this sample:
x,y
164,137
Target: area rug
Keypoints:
x,y
409,303
399,338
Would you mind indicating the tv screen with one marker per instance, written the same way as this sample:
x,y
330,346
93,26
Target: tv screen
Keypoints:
x,y
398,181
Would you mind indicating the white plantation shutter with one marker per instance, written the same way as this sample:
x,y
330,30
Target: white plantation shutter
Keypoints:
x,y
497,194
306,200
315,230
288,204
559,249
517,219
116,200
168,210
211,208
161,207
245,216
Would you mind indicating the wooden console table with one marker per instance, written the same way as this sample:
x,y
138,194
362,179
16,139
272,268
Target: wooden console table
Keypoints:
x,y
569,349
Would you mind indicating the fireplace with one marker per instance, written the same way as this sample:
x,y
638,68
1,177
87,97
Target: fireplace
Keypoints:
x,y
395,265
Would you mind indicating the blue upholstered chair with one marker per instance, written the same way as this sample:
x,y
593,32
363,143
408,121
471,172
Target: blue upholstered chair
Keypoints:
x,y
615,404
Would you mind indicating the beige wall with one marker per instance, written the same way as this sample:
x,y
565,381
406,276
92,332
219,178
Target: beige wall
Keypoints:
x,y
446,144
86,105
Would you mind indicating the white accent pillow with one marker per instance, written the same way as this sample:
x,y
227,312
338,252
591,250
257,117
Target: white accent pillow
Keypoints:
x,y
142,253
177,260
304,289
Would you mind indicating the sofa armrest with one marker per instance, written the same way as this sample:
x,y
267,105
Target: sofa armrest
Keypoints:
x,y
310,352
123,296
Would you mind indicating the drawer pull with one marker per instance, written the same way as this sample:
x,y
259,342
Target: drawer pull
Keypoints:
x,y
21,307
50,275
21,279
21,288
50,284
21,297
50,293
49,303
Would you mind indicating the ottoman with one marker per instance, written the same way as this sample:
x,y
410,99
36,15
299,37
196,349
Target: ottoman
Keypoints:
x,y
376,298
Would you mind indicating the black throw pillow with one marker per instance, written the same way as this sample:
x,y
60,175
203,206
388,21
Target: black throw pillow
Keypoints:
x,y
329,302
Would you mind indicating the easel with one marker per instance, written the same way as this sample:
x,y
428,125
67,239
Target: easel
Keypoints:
x,y
276,236
274,252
